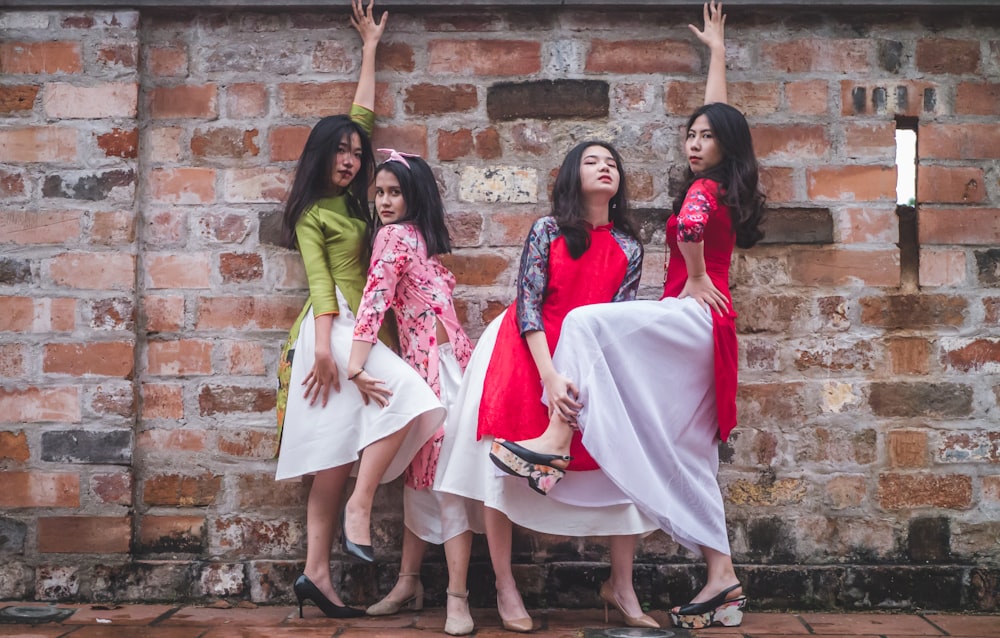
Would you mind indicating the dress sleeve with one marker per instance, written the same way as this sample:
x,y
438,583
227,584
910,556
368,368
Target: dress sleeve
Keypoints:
x,y
693,216
364,117
391,257
633,272
533,275
310,236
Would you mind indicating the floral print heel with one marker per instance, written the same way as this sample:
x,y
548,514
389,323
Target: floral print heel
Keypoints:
x,y
541,477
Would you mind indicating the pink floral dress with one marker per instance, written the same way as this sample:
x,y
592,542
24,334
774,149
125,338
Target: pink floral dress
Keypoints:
x,y
419,289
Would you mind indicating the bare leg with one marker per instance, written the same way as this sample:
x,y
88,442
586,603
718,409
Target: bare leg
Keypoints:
x,y
720,576
622,557
375,459
554,440
408,583
322,513
499,535
457,551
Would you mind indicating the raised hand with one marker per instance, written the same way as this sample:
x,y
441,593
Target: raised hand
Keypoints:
x,y
364,21
715,25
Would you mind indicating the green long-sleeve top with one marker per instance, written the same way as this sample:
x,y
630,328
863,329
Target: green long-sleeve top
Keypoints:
x,y
330,241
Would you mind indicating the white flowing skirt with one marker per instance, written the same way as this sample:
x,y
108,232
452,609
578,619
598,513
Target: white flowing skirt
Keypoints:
x,y
645,370
438,516
582,504
317,437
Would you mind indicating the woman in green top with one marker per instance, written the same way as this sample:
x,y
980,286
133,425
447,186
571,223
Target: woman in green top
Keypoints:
x,y
329,427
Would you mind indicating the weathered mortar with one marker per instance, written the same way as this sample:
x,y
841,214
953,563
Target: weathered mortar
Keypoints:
x,y
145,156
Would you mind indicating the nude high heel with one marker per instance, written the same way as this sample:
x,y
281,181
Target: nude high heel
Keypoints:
x,y
520,625
459,626
387,607
608,596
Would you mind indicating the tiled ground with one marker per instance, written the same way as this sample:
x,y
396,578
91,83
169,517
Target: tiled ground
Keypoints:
x,y
167,621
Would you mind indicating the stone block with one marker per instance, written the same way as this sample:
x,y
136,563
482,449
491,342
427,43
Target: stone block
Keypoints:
x,y
548,99
107,447
798,226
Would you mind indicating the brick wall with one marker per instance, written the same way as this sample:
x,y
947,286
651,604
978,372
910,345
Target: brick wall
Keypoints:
x,y
144,157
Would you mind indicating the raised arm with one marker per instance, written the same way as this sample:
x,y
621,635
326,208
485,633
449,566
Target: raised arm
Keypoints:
x,y
371,32
713,38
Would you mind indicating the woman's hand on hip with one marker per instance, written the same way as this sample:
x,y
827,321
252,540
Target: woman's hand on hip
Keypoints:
x,y
372,389
701,289
323,376
563,395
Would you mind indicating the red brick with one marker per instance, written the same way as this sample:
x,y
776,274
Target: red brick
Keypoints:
x,y
411,138
977,98
780,184
181,490
112,359
168,442
165,143
167,61
240,267
830,267
11,184
178,271
332,56
484,57
488,144
394,56
182,185
122,55
964,141
166,228
243,358
112,313
753,98
904,491
452,145
287,142
476,270
179,358
964,226
870,139
161,401
991,488
14,446
818,54
40,57
39,489
973,356
119,143
18,98
908,355
432,99
164,313
38,405
255,444
642,56
852,183
38,314
796,140
291,272
38,144
94,271
84,534
510,228
186,101
244,312
913,311
640,186
991,308
952,185
318,100
942,267
947,57
228,142
254,492
874,224
907,448
114,400
40,227
256,185
846,491
248,99
113,99
113,489
12,360
637,97
809,97
172,533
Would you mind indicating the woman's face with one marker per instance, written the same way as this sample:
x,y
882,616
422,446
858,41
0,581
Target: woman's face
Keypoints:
x,y
347,161
599,172
389,202
703,152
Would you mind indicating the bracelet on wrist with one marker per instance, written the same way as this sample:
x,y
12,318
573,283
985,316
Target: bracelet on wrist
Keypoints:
x,y
356,374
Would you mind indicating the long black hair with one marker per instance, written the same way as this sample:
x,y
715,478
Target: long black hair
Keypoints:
x,y
567,200
313,175
737,173
424,208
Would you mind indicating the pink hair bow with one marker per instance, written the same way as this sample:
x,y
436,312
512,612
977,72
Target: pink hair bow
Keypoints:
x,y
397,156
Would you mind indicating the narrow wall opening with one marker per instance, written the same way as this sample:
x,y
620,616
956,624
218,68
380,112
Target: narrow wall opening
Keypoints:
x,y
906,203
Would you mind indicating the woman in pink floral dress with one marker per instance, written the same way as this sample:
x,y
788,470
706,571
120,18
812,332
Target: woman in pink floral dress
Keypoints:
x,y
406,276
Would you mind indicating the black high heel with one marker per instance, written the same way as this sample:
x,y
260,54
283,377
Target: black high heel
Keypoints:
x,y
364,553
719,609
536,467
305,590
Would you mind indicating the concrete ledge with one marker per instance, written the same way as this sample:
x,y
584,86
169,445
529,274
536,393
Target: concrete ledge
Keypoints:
x,y
410,4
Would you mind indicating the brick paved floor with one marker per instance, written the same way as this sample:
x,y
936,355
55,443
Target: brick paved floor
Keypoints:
x,y
247,621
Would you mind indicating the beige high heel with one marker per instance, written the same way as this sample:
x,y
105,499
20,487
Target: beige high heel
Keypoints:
x,y
520,625
459,626
609,598
387,607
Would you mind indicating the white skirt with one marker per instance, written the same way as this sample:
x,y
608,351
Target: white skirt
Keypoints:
x,y
646,374
582,504
438,516
317,437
